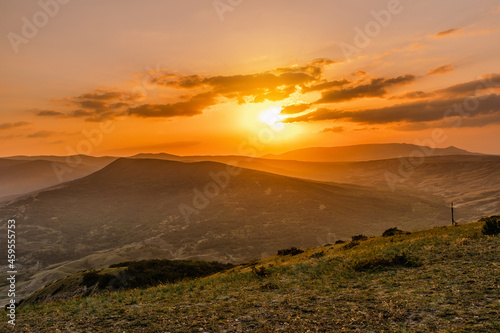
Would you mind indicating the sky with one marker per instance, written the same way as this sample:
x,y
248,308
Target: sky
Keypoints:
x,y
198,77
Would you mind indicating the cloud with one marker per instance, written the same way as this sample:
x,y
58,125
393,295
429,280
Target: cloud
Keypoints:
x,y
375,88
441,70
447,32
489,83
40,134
5,126
192,107
295,108
97,105
421,111
335,129
325,85
275,85
48,113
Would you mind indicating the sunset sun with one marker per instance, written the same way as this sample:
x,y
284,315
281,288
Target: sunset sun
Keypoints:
x,y
272,118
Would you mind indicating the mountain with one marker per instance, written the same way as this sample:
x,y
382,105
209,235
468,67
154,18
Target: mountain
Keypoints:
x,y
364,152
137,209
24,174
472,182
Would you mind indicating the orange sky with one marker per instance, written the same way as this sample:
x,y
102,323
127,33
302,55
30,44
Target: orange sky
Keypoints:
x,y
205,77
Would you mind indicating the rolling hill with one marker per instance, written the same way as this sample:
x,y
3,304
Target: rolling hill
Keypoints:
x,y
137,209
365,152
24,174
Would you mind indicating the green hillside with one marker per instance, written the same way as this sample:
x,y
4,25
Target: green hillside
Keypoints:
x,y
444,279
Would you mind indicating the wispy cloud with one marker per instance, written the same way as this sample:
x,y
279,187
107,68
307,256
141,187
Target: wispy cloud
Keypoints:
x,y
447,32
40,134
375,88
440,70
6,126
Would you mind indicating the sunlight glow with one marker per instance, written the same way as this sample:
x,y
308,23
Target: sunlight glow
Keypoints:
x,y
272,117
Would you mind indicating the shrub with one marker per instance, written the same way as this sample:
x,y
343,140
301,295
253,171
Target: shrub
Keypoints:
x,y
380,263
291,251
92,278
491,225
340,242
261,271
359,238
148,273
350,245
394,231
317,255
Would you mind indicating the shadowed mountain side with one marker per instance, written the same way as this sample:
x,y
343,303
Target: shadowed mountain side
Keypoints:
x,y
21,174
366,152
249,215
471,181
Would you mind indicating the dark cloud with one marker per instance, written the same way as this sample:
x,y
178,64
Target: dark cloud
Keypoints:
x,y
488,83
421,111
375,88
98,105
296,108
441,70
194,106
447,32
5,126
40,134
48,113
325,85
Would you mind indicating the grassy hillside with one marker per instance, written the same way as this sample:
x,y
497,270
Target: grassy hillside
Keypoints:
x,y
444,279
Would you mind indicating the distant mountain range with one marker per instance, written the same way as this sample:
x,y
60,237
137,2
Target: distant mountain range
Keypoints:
x,y
366,152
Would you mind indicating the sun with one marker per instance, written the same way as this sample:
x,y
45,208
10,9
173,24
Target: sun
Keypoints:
x,y
272,117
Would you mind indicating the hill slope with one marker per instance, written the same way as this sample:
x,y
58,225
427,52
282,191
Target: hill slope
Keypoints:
x,y
136,209
365,152
447,282
23,174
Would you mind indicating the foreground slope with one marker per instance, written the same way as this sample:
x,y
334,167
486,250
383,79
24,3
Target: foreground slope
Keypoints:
x,y
136,209
448,283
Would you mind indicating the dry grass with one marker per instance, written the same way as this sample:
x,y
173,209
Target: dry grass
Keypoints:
x,y
455,289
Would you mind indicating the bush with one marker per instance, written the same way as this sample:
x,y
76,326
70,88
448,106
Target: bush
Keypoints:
x,y
491,225
394,231
340,241
148,273
350,245
291,251
92,278
359,238
380,263
317,255
261,271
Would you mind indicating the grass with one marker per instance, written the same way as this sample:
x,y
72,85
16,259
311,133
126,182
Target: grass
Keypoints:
x,y
443,279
